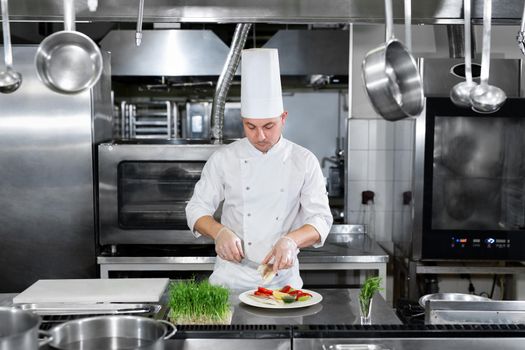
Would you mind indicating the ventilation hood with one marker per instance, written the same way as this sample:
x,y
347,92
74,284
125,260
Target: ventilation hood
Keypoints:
x,y
165,53
203,53
311,52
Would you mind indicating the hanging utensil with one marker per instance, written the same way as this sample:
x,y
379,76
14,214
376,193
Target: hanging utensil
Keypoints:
x,y
521,33
408,25
68,61
460,93
9,79
486,98
391,77
138,34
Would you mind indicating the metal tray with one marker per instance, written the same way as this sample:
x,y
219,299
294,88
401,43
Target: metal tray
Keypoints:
x,y
50,309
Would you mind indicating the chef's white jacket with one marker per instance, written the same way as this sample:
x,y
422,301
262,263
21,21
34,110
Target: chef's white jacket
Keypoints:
x,y
266,195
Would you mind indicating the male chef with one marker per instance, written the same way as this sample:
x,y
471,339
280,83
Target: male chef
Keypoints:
x,y
273,190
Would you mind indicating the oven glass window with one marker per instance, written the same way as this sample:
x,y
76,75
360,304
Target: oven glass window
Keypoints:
x,y
153,195
478,173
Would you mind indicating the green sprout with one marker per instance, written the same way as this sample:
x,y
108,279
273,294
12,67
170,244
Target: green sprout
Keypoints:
x,y
194,302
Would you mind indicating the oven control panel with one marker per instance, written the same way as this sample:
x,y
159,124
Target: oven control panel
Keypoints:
x,y
473,245
460,242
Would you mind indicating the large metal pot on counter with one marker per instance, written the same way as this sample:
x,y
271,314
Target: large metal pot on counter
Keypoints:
x,y
112,333
19,330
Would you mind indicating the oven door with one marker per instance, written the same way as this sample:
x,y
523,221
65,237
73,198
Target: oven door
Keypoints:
x,y
473,205
143,191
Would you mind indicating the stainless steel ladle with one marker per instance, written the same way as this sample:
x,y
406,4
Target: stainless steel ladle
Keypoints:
x,y
486,98
460,93
9,79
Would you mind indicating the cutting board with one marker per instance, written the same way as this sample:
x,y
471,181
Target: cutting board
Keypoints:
x,y
94,290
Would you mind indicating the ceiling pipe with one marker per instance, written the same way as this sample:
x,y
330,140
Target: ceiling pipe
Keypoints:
x,y
225,79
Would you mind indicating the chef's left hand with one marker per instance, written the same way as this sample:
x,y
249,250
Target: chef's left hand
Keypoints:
x,y
284,253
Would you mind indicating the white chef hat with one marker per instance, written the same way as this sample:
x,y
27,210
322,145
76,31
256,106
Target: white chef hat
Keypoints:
x,y
261,93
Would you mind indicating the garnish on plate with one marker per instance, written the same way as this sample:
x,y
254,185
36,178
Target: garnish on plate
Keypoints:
x,y
284,295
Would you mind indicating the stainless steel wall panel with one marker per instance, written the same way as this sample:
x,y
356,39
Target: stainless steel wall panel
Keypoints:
x,y
46,182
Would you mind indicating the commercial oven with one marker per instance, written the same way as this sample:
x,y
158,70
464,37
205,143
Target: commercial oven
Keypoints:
x,y
469,172
144,187
472,187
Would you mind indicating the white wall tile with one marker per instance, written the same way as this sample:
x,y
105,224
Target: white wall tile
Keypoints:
x,y
402,224
355,188
358,134
381,165
403,165
357,165
355,217
381,134
404,131
397,226
382,227
399,188
384,192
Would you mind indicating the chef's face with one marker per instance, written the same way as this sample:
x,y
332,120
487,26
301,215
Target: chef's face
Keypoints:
x,y
264,133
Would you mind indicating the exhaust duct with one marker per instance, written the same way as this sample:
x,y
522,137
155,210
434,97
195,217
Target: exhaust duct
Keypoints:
x,y
225,79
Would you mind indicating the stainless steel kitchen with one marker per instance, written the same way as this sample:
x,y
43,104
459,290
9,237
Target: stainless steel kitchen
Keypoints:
x,y
287,174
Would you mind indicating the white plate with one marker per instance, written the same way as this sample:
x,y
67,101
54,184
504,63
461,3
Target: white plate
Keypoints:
x,y
315,299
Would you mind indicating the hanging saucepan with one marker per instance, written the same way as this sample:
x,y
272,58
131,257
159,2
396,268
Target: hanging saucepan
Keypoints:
x,y
391,77
68,61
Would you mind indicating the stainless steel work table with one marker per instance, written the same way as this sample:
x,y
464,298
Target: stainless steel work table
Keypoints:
x,y
339,306
341,251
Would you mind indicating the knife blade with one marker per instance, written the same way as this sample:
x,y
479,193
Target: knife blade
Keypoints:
x,y
249,263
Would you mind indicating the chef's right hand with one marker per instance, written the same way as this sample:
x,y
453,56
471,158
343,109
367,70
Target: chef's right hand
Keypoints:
x,y
228,246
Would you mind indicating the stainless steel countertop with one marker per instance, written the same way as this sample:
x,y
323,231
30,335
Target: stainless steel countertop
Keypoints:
x,y
345,248
339,306
339,248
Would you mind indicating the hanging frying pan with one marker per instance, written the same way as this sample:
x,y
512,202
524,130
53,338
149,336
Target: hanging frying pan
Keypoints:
x,y
68,61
